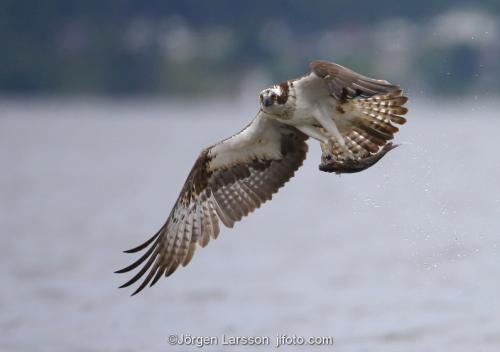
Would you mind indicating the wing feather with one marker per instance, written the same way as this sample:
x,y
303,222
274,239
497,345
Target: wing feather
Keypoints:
x,y
344,83
190,254
228,181
363,109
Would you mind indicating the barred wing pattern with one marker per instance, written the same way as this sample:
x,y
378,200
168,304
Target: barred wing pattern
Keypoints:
x,y
370,109
221,187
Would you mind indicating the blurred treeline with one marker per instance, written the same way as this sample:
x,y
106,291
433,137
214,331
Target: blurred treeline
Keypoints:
x,y
212,46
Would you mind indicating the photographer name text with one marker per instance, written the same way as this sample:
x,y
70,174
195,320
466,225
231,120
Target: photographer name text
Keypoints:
x,y
228,340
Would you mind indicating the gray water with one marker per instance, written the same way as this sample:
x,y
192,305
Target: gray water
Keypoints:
x,y
402,257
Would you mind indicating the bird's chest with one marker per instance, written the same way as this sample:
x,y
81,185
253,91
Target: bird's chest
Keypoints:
x,y
303,112
285,114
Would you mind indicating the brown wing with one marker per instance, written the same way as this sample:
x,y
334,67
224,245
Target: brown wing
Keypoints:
x,y
344,83
368,110
227,193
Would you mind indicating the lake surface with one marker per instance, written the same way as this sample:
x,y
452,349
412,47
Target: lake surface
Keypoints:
x,y
402,257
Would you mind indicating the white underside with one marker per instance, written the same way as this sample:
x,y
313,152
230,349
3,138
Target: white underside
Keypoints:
x,y
259,140
315,106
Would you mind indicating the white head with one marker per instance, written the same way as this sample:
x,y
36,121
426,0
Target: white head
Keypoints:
x,y
274,100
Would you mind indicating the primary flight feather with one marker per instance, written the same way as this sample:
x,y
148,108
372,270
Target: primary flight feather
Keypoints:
x,y
352,116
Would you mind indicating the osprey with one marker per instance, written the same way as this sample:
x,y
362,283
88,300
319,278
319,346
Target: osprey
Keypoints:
x,y
352,116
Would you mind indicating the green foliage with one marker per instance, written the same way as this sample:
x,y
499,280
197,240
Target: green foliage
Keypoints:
x,y
451,70
119,47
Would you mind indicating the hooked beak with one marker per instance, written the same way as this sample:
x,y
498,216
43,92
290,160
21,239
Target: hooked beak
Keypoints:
x,y
267,101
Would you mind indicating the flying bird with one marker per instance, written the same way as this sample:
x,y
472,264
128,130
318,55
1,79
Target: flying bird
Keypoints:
x,y
352,117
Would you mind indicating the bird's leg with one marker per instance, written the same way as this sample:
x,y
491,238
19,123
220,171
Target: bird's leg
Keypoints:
x,y
324,118
314,132
325,141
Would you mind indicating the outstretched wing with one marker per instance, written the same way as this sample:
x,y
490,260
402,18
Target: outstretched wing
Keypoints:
x,y
365,111
228,181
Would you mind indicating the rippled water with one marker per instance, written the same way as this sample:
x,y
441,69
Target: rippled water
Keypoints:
x,y
402,257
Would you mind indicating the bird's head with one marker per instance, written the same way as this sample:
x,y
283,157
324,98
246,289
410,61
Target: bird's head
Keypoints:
x,y
274,100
